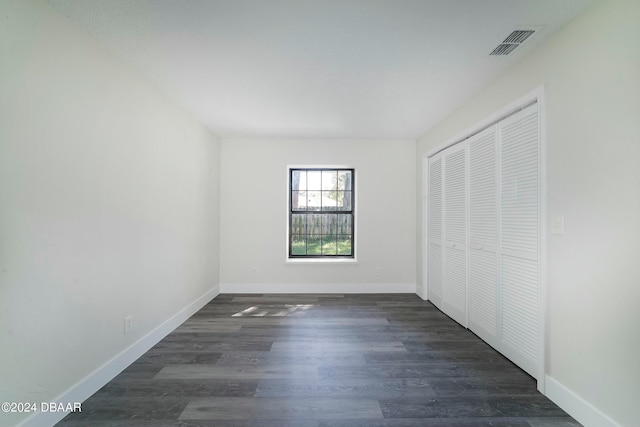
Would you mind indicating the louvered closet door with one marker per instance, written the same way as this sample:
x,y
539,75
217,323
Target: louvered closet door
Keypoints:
x,y
454,297
483,235
435,231
520,238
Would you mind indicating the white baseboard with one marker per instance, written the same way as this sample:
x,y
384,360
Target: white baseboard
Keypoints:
x,y
584,412
317,288
421,292
105,373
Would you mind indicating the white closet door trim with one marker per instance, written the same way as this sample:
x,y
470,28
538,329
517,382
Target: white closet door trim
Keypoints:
x,y
422,288
542,132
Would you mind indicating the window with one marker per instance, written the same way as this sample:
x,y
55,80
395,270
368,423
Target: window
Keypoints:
x,y
321,220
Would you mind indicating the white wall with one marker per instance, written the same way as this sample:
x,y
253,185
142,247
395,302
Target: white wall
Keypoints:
x,y
108,206
254,214
591,76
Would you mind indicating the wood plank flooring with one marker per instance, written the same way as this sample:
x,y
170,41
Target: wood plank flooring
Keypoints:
x,y
374,360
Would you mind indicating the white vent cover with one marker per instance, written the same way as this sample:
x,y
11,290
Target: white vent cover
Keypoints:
x,y
511,42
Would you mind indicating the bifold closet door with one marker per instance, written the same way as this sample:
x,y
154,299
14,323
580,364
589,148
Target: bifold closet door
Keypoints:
x,y
435,231
483,235
520,214
454,289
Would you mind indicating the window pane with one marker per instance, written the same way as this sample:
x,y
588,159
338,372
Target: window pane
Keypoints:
x,y
329,224
344,224
329,180
298,180
328,201
329,245
344,245
299,200
314,245
344,180
298,245
314,200
314,180
298,224
314,225
345,201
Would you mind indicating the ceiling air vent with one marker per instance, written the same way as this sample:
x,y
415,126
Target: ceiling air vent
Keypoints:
x,y
512,41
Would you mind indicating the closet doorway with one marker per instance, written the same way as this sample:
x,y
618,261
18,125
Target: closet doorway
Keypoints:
x,y
484,234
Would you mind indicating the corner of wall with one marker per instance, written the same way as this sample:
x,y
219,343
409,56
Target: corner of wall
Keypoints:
x,y
105,373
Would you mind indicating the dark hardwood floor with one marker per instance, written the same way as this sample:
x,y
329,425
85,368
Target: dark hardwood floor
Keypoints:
x,y
381,360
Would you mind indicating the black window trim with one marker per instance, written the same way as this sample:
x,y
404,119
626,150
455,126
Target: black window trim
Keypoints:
x,y
336,257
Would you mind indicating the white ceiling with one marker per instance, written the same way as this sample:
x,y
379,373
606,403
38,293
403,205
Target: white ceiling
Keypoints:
x,y
317,68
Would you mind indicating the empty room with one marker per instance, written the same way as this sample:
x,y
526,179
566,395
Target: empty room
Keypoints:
x,y
319,213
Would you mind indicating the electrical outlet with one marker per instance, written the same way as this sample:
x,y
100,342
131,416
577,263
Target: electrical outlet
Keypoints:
x,y
128,324
377,271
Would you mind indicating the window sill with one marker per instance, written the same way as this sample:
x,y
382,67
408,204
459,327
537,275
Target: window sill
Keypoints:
x,y
334,261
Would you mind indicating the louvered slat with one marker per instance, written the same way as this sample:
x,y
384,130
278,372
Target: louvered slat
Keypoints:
x,y
435,274
435,249
454,295
455,197
483,234
483,280
435,199
483,209
519,182
520,307
520,236
455,285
